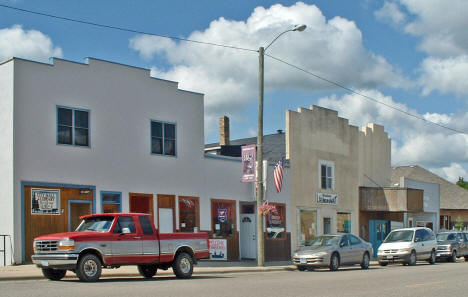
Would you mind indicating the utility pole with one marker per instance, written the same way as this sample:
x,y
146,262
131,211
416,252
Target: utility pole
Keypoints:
x,y
259,182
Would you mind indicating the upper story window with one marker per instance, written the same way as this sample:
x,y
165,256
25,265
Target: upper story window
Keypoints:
x,y
163,138
326,173
72,126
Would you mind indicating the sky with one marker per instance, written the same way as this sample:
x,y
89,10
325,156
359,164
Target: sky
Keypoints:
x,y
410,54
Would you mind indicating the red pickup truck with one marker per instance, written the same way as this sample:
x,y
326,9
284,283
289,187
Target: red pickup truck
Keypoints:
x,y
111,240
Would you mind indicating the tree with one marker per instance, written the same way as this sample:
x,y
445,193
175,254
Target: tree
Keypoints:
x,y
462,183
459,224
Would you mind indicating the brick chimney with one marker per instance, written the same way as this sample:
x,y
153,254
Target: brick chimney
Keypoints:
x,y
224,130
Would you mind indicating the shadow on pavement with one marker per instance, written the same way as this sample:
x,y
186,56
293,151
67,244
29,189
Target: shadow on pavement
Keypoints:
x,y
139,279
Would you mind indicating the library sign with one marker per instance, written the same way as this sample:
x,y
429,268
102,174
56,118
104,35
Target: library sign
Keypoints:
x,y
325,198
45,201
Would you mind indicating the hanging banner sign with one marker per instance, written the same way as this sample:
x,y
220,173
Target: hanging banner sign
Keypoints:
x,y
222,215
45,201
325,198
218,249
248,163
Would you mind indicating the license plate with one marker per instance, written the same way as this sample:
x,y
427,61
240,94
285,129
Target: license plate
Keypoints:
x,y
389,257
303,260
44,263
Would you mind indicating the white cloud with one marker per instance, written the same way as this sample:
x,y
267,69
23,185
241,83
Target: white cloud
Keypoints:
x,y
451,173
332,48
441,25
390,13
413,141
28,44
445,75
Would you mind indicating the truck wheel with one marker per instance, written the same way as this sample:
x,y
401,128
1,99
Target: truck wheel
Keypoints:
x,y
89,268
432,259
183,265
147,271
453,257
53,274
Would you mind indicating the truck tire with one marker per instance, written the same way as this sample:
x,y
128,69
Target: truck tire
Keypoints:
x,y
147,271
89,268
54,274
183,266
453,257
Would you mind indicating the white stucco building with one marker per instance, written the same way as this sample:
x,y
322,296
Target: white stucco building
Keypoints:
x,y
105,137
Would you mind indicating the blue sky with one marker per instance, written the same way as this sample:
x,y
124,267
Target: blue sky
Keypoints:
x,y
409,53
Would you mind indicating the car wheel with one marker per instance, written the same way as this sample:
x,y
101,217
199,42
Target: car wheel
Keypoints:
x,y
301,268
183,265
334,262
89,268
147,271
383,263
365,261
466,258
453,257
432,259
412,259
54,274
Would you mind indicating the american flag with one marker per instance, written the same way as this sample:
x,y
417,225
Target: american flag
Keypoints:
x,y
278,176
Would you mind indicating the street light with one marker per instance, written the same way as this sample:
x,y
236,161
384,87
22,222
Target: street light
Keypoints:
x,y
259,182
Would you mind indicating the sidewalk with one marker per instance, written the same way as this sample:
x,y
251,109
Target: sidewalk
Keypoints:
x,y
31,272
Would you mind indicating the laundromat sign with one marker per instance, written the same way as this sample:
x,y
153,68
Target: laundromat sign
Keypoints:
x,y
45,201
325,198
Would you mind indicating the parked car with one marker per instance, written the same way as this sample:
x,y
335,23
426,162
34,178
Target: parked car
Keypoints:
x,y
408,246
452,245
333,251
111,240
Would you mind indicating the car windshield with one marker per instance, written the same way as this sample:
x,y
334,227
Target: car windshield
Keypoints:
x,y
95,224
400,236
324,241
445,236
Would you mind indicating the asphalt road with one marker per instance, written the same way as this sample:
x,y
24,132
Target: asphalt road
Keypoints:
x,y
442,279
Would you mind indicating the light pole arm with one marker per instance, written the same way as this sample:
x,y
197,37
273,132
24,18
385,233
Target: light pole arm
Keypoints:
x,y
277,38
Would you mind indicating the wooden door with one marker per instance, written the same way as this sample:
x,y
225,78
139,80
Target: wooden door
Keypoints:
x,y
77,209
141,203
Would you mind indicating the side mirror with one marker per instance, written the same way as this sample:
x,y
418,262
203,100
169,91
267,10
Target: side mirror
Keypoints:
x,y
125,231
417,239
342,244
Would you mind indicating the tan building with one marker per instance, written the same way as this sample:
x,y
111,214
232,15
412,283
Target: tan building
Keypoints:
x,y
340,178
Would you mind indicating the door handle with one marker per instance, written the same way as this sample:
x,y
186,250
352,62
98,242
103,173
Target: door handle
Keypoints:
x,y
422,244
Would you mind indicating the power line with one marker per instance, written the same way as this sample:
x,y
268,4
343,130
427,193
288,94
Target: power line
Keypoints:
x,y
237,48
366,96
124,29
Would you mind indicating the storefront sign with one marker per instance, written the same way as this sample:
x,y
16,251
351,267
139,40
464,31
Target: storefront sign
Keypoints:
x,y
325,198
218,249
222,215
248,163
45,201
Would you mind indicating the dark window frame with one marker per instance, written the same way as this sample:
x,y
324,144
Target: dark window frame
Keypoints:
x,y
163,138
73,126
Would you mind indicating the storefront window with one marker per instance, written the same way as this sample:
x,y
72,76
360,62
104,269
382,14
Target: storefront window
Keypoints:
x,y
276,222
223,216
189,214
343,222
308,225
111,202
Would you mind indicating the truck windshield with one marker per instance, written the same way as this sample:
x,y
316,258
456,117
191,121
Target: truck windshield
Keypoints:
x,y
445,236
400,236
95,224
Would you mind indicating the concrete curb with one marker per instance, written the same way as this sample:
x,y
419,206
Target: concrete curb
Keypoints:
x,y
34,273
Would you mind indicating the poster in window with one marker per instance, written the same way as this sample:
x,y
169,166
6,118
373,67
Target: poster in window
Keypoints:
x,y
222,215
45,201
218,249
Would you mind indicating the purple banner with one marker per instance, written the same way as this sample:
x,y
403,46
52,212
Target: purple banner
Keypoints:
x,y
248,163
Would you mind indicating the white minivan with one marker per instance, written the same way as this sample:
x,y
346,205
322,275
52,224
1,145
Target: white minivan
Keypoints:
x,y
408,246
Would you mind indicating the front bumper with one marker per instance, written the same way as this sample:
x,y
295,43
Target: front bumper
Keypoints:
x,y
64,261
311,261
443,254
393,257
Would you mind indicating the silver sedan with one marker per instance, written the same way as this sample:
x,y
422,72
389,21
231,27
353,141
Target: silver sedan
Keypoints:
x,y
333,251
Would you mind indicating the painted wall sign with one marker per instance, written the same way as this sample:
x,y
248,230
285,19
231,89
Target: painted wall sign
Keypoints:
x,y
248,163
222,215
325,198
218,249
45,201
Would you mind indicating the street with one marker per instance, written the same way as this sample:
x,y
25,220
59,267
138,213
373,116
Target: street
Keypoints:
x,y
442,279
